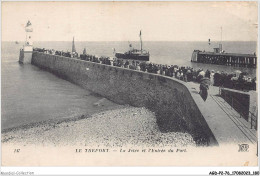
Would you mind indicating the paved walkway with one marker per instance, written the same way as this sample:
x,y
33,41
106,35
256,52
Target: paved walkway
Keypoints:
x,y
223,120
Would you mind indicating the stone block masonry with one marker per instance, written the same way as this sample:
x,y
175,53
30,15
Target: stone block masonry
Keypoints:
x,y
25,57
168,98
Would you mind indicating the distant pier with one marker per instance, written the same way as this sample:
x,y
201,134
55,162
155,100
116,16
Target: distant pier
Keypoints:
x,y
220,58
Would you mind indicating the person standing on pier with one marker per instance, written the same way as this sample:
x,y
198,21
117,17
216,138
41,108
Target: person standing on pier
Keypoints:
x,y
212,77
204,87
207,74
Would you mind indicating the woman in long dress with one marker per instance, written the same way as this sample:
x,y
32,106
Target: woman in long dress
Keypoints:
x,y
204,91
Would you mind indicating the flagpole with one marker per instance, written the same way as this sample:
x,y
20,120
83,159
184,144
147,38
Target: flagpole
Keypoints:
x,y
221,34
221,41
72,45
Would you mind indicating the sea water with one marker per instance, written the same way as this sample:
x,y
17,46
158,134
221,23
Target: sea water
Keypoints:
x,y
29,94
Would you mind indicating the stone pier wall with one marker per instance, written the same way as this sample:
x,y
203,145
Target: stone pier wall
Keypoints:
x,y
168,98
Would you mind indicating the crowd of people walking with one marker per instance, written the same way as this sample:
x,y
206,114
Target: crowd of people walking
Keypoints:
x,y
237,80
55,52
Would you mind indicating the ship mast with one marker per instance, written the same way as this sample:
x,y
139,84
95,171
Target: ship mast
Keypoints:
x,y
73,46
141,41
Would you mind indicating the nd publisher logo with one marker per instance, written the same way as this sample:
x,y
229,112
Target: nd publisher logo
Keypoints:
x,y
243,147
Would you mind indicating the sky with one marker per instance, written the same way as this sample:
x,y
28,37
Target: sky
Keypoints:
x,y
122,21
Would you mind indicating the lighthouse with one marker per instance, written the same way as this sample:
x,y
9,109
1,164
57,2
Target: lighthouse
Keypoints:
x,y
27,50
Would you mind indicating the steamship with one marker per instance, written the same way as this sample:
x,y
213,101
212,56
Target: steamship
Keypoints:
x,y
134,54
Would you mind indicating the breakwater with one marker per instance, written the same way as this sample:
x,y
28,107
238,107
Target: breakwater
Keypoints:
x,y
229,59
169,98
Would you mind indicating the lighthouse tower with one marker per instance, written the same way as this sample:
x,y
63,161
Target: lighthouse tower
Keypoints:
x,y
26,52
